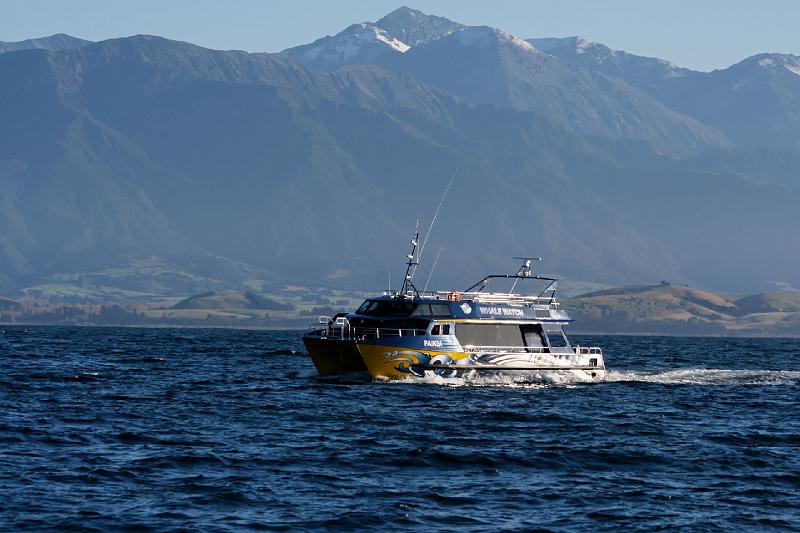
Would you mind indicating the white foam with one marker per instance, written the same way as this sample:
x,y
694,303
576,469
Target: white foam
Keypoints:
x,y
512,380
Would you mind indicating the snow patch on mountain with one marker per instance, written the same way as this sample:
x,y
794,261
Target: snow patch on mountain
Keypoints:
x,y
638,70
581,45
575,45
398,45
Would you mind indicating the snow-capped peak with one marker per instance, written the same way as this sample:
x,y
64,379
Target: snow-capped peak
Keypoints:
x,y
357,43
415,27
352,39
774,62
362,43
575,44
483,36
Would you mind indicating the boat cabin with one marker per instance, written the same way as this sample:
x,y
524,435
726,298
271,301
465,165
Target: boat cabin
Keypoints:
x,y
468,322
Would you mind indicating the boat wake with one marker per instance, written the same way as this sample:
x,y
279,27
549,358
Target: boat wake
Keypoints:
x,y
707,376
674,376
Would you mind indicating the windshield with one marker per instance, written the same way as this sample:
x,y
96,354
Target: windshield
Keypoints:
x,y
386,308
398,308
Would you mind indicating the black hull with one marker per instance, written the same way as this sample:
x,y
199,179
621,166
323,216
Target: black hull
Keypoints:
x,y
333,357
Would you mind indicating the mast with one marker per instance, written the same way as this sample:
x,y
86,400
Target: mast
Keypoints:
x,y
408,281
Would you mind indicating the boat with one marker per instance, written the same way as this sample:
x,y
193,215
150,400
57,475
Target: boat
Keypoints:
x,y
409,333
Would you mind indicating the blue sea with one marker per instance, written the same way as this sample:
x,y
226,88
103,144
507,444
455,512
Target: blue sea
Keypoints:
x,y
108,429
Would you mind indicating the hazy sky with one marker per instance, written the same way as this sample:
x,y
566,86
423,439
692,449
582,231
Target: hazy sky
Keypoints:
x,y
699,34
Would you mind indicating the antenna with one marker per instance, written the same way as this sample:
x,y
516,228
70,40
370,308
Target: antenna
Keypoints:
x,y
425,288
436,214
525,270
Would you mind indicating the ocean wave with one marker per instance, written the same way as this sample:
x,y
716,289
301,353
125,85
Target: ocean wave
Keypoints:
x,y
219,437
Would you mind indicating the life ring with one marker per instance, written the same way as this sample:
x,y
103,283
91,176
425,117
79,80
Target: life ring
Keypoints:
x,y
454,296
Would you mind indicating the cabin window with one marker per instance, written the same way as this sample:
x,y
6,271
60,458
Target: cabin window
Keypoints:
x,y
489,334
426,309
556,338
440,310
440,329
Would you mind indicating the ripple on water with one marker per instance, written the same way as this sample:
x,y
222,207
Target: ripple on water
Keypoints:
x,y
112,428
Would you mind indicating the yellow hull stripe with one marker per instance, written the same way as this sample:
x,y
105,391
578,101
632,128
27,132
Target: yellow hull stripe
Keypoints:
x,y
394,361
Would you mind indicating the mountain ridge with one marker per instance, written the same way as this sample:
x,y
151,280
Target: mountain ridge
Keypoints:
x,y
396,32
487,65
764,88
58,41
145,162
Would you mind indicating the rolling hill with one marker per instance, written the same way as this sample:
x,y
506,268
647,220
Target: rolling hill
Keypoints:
x,y
231,300
682,310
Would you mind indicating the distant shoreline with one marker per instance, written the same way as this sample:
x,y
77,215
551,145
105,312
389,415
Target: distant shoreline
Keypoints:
x,y
636,310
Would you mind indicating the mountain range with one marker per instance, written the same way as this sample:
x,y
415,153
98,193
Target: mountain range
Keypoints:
x,y
141,166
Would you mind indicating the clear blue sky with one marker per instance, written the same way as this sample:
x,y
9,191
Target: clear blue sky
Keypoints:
x,y
699,34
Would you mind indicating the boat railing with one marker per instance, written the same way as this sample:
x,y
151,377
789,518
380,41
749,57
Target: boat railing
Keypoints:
x,y
588,350
505,298
482,297
506,349
579,350
347,332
